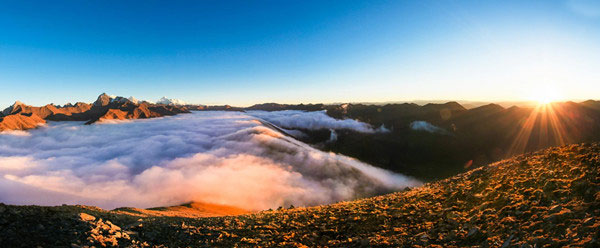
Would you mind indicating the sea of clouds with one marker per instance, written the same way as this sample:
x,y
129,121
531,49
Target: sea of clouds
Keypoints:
x,y
314,120
217,157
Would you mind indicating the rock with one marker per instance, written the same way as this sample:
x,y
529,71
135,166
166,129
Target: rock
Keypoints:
x,y
555,209
551,218
549,186
364,242
86,217
424,237
473,232
507,241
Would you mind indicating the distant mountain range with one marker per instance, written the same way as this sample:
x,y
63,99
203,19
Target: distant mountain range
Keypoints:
x,y
549,198
435,141
167,101
429,141
20,116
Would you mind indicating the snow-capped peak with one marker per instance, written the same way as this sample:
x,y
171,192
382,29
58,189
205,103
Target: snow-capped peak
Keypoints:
x,y
168,101
133,99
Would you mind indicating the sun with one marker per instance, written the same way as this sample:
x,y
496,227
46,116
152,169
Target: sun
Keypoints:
x,y
545,96
544,99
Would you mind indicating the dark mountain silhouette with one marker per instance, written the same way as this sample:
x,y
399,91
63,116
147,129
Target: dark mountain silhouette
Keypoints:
x,y
212,107
278,107
221,108
472,137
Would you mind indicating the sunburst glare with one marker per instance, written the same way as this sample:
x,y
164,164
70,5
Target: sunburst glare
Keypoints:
x,y
545,96
548,124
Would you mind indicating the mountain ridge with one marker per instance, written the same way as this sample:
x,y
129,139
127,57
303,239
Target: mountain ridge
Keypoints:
x,y
20,116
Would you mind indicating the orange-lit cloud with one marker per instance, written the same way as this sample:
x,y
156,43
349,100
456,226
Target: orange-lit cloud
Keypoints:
x,y
217,157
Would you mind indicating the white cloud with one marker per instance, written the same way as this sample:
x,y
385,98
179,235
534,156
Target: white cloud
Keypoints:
x,y
14,132
311,120
426,126
219,157
168,101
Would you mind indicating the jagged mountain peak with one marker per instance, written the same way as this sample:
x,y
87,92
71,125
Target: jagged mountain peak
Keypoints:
x,y
168,101
121,99
103,100
133,100
105,107
16,107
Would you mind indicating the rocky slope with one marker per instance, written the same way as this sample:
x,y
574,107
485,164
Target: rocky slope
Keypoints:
x,y
549,198
50,111
192,210
20,116
20,121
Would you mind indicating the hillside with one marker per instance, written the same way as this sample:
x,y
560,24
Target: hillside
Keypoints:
x,y
20,122
192,210
550,198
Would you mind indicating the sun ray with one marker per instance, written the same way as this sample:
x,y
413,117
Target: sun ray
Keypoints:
x,y
549,122
520,142
558,130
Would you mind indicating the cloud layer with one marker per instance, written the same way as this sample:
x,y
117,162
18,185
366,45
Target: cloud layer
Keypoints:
x,y
218,157
427,127
314,120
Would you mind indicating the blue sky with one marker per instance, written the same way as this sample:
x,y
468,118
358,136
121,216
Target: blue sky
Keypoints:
x,y
246,52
